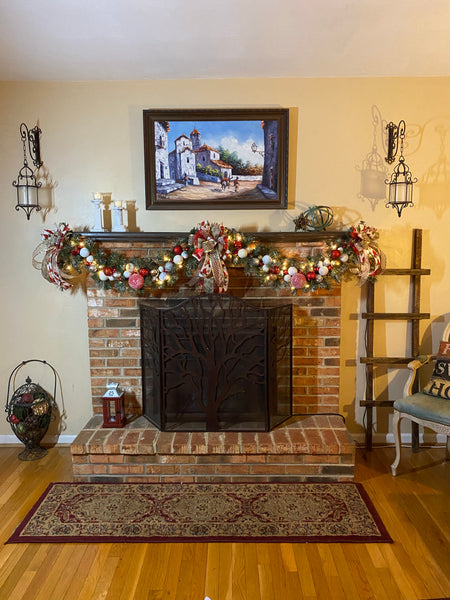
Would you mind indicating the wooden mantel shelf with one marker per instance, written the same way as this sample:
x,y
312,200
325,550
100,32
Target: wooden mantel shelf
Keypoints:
x,y
293,237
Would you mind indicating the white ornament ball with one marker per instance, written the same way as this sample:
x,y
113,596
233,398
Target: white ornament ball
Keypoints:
x,y
126,274
266,259
178,259
84,252
344,258
116,275
162,276
326,262
323,271
287,278
184,254
90,258
265,268
242,253
130,267
168,266
102,276
160,269
256,261
292,271
111,277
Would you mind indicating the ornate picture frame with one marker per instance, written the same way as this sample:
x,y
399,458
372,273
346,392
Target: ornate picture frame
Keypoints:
x,y
216,158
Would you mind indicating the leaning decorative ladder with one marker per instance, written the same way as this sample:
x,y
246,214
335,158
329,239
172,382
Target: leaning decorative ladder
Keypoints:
x,y
370,361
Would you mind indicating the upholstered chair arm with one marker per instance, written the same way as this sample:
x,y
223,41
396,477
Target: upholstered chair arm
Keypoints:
x,y
414,366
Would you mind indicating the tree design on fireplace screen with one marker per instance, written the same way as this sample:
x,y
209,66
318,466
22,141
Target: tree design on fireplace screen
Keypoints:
x,y
215,362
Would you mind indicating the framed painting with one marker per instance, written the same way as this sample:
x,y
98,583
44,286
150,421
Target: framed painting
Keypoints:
x,y
216,159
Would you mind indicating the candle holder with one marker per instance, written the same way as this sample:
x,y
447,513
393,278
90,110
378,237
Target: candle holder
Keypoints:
x,y
97,202
117,216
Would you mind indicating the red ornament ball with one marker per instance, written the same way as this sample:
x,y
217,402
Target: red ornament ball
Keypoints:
x,y
335,254
144,272
75,251
310,275
237,245
108,271
276,269
177,249
298,280
136,281
316,269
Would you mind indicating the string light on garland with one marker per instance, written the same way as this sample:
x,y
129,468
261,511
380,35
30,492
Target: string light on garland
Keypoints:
x,y
204,256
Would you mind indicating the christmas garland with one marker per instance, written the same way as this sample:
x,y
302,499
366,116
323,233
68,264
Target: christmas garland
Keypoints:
x,y
204,256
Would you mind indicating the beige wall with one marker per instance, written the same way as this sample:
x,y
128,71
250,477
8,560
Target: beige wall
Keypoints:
x,y
92,141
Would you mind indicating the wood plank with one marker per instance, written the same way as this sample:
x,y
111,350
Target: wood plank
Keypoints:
x,y
406,316
385,360
410,272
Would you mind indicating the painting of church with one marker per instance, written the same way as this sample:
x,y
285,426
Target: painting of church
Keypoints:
x,y
182,160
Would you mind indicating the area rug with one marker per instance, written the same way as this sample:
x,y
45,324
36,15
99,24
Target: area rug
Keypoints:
x,y
206,512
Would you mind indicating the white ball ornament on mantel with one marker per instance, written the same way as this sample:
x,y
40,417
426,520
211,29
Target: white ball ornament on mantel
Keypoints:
x,y
168,266
162,276
266,259
292,271
102,276
242,253
343,258
323,271
84,252
178,259
126,274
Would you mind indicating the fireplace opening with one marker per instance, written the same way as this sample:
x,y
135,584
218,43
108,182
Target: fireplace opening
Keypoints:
x,y
215,362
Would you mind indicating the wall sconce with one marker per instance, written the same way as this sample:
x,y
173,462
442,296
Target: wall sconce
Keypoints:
x,y
401,182
26,185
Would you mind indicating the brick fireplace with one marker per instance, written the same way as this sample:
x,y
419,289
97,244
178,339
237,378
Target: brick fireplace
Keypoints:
x,y
313,444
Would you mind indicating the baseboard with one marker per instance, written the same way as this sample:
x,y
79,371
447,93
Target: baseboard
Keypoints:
x,y
52,440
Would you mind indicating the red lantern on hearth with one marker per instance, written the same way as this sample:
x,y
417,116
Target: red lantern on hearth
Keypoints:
x,y
113,406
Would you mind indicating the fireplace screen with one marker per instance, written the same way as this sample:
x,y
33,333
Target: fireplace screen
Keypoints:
x,y
215,362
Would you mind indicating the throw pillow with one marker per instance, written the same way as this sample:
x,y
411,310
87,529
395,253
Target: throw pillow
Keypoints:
x,y
439,384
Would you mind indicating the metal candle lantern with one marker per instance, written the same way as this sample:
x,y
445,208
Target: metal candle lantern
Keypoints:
x,y
113,406
29,412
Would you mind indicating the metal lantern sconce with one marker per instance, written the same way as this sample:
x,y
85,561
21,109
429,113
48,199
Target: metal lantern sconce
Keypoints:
x,y
401,182
26,185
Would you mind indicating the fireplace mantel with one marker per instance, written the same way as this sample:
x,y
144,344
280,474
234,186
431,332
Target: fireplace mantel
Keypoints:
x,y
293,237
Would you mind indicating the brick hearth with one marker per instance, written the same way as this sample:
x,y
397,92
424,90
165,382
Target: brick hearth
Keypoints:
x,y
310,448
316,448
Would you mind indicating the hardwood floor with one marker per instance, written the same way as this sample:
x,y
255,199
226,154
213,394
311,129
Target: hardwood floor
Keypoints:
x,y
414,506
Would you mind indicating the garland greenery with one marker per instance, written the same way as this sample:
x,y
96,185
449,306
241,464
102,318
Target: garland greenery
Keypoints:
x,y
204,255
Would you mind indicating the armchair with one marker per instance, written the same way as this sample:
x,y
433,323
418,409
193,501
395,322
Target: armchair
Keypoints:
x,y
431,407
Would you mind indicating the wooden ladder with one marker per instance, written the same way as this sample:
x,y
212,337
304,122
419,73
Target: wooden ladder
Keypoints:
x,y
370,361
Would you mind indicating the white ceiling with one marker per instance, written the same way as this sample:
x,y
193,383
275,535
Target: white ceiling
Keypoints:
x,y
72,40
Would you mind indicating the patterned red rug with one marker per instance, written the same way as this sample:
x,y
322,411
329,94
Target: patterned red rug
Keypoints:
x,y
207,512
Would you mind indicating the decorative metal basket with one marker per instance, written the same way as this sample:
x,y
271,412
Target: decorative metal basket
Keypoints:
x,y
29,412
